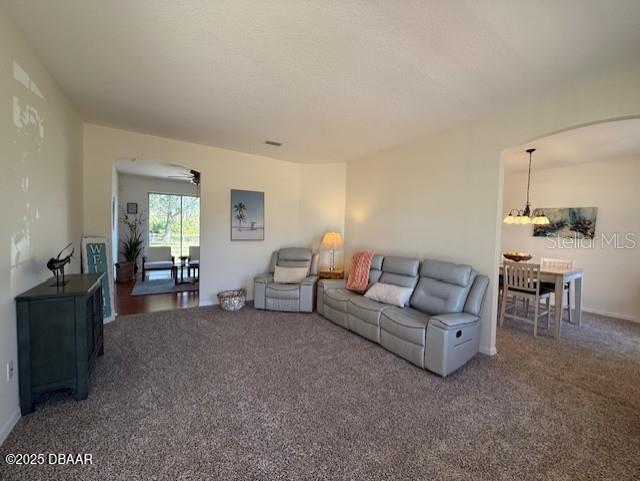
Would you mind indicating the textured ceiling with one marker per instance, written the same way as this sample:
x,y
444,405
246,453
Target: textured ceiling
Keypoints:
x,y
332,80
153,168
594,143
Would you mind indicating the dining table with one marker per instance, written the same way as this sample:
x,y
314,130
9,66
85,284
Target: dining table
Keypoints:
x,y
559,277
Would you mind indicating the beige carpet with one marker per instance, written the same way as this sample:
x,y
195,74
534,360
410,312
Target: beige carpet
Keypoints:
x,y
200,394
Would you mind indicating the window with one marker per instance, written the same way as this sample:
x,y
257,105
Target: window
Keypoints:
x,y
174,220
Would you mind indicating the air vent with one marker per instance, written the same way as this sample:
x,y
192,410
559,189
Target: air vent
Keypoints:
x,y
273,142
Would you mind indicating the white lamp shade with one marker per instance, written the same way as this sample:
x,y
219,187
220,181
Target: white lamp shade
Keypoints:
x,y
540,220
331,241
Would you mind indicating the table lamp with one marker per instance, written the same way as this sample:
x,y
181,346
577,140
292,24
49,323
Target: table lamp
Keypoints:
x,y
331,241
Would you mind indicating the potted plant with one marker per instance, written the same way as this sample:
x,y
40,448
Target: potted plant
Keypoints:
x,y
131,246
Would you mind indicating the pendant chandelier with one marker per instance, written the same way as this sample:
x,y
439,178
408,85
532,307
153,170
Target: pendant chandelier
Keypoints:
x,y
526,215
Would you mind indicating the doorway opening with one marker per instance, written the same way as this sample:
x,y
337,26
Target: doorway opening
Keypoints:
x,y
583,181
156,230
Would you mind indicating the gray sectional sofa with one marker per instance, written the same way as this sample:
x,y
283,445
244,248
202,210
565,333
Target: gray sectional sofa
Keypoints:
x,y
298,297
440,328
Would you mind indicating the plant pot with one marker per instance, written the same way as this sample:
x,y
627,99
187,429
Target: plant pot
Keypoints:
x,y
124,272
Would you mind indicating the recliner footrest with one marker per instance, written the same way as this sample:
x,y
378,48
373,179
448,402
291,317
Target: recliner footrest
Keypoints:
x,y
451,340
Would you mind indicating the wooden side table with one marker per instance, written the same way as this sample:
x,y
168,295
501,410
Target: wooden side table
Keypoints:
x,y
183,263
331,275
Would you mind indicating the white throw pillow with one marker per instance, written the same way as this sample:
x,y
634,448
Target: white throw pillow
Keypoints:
x,y
289,275
389,294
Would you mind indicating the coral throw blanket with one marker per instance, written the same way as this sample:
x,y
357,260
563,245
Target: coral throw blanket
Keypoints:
x,y
359,274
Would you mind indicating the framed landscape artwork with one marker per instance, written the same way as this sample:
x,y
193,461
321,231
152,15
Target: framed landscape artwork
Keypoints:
x,y
247,215
573,222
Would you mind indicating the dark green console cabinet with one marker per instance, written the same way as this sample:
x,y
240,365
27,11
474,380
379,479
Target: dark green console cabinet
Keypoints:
x,y
60,334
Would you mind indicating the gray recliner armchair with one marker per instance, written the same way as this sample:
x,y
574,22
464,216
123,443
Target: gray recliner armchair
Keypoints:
x,y
298,297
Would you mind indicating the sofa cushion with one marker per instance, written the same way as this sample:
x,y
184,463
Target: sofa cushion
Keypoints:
x,y
405,323
283,291
458,274
406,266
366,309
158,265
400,271
389,294
159,253
291,257
376,268
475,298
295,257
286,305
289,275
436,297
338,299
314,268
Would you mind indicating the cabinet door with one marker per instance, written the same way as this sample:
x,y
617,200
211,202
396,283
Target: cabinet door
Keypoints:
x,y
89,325
52,337
97,317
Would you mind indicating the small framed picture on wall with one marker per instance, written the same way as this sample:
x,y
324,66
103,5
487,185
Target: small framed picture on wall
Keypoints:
x,y
132,208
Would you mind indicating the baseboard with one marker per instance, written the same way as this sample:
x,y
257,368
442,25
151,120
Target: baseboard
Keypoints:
x,y
615,315
600,312
209,302
9,425
488,351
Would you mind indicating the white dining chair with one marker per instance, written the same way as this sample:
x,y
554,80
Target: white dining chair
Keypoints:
x,y
563,264
522,281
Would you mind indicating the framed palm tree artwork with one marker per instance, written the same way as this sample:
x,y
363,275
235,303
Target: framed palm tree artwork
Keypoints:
x,y
247,215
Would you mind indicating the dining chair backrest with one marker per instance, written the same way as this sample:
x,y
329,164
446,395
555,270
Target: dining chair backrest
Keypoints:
x,y
549,263
522,276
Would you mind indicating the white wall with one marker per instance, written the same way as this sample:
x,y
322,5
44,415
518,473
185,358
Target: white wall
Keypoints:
x,y
115,215
136,188
322,205
612,276
41,203
225,264
441,196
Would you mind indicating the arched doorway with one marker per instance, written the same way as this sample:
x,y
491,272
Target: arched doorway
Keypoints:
x,y
584,179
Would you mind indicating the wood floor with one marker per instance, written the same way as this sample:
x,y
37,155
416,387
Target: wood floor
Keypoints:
x,y
128,304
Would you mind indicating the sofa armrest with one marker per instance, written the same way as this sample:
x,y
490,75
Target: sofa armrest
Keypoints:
x,y
332,283
264,278
260,290
308,293
453,321
309,281
327,284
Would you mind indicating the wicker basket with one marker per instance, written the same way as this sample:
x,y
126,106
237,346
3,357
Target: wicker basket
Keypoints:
x,y
232,300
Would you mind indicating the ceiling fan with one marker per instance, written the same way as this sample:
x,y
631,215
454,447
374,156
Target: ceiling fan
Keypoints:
x,y
192,175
